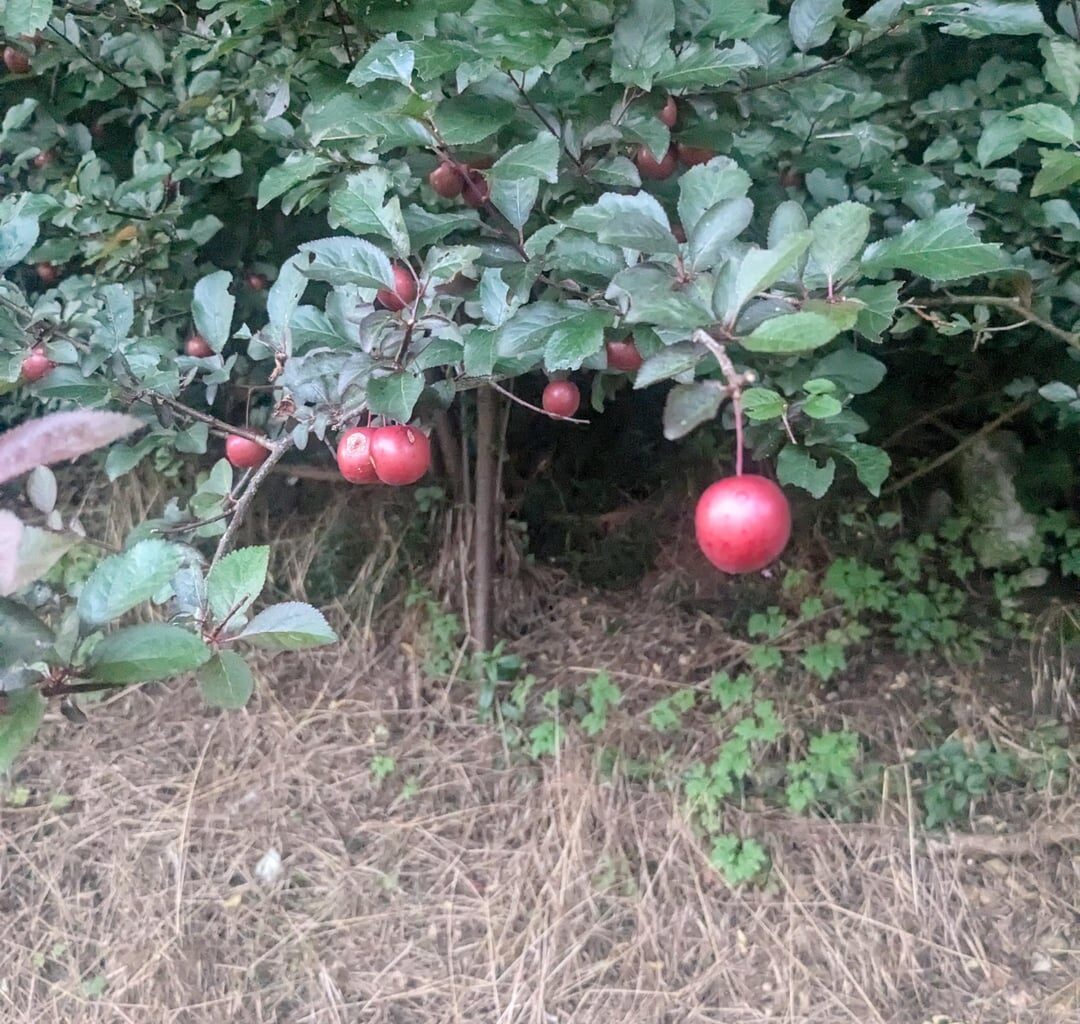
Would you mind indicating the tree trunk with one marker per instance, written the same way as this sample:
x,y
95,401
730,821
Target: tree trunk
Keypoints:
x,y
485,519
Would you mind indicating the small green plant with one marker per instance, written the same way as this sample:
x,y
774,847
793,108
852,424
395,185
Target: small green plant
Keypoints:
x,y
382,767
956,778
826,776
601,695
739,860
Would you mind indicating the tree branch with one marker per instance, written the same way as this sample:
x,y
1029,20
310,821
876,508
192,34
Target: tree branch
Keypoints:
x,y
529,405
1000,302
547,124
243,503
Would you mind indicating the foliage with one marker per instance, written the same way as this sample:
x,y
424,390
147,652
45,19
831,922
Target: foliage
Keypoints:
x,y
161,166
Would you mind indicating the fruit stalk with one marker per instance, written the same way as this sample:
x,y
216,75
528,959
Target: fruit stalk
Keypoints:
x,y
736,382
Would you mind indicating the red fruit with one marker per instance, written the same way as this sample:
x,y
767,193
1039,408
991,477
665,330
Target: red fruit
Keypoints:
x,y
354,455
44,158
742,523
36,365
623,356
691,156
198,347
680,234
669,112
244,453
476,190
401,455
36,39
446,181
482,163
404,291
561,398
97,130
791,178
256,282
17,62
47,273
649,167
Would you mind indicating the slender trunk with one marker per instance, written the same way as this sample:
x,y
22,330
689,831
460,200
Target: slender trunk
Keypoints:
x,y
484,525
449,453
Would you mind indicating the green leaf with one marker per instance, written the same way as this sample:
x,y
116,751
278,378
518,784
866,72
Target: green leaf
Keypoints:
x,y
943,248
797,467
761,404
386,58
426,228
690,405
19,723
716,228
290,626
225,681
234,582
975,19
812,22
360,207
394,396
652,294
469,118
619,171
122,582
573,340
212,308
140,654
1045,122
17,237
741,279
788,219
640,45
880,302
702,187
23,18
1062,58
669,362
480,354
999,138
822,407
536,159
298,166
515,199
631,222
839,234
24,637
844,313
854,372
1060,169
698,66
342,260
795,332
38,551
871,464
116,317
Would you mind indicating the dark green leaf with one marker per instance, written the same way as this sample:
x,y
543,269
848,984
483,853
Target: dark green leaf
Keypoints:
x,y
19,723
699,66
24,637
394,396
669,362
717,228
839,234
290,626
797,467
854,372
571,341
360,207
298,166
515,199
212,308
536,159
343,260
741,279
702,187
235,581
1060,170
811,22
871,464
124,581
690,405
386,58
640,46
632,222
470,118
140,654
225,681
880,302
796,332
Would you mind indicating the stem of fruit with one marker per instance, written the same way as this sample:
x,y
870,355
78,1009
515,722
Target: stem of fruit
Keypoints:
x,y
529,405
243,503
735,382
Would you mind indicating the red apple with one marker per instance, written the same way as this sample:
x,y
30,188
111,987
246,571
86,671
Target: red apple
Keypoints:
x,y
256,282
17,62
354,456
561,398
446,181
36,365
198,347
669,112
742,523
623,355
476,190
691,156
791,178
35,40
47,273
97,130
649,167
400,455
45,158
244,453
403,293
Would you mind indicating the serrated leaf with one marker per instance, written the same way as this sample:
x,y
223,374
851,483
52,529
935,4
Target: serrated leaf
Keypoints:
x,y
631,222
871,464
141,654
123,581
343,260
974,19
23,636
690,405
812,22
298,166
743,278
839,233
290,626
762,404
844,313
879,305
640,45
716,229
41,489
702,187
797,467
1045,122
235,581
494,297
19,723
225,681
999,138
212,308
669,362
652,294
467,119
1060,169
536,159
698,66
619,171
795,332
386,58
573,340
853,371
1062,58
17,237
394,396
360,207
515,199
943,248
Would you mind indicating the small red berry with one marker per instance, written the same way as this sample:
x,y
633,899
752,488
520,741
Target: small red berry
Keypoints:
x,y
244,453
403,293
649,167
446,181
45,158
198,347
691,156
17,62
36,365
623,355
476,190
256,282
561,398
47,273
669,112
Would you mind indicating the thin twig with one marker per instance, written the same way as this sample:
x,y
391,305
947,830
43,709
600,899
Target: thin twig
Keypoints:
x,y
546,123
342,19
983,431
243,503
735,383
529,405
104,70
1001,302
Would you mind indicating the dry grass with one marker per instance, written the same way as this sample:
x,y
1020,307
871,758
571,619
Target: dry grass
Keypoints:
x,y
494,893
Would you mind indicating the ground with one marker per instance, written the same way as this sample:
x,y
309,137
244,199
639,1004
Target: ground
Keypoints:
x,y
170,863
